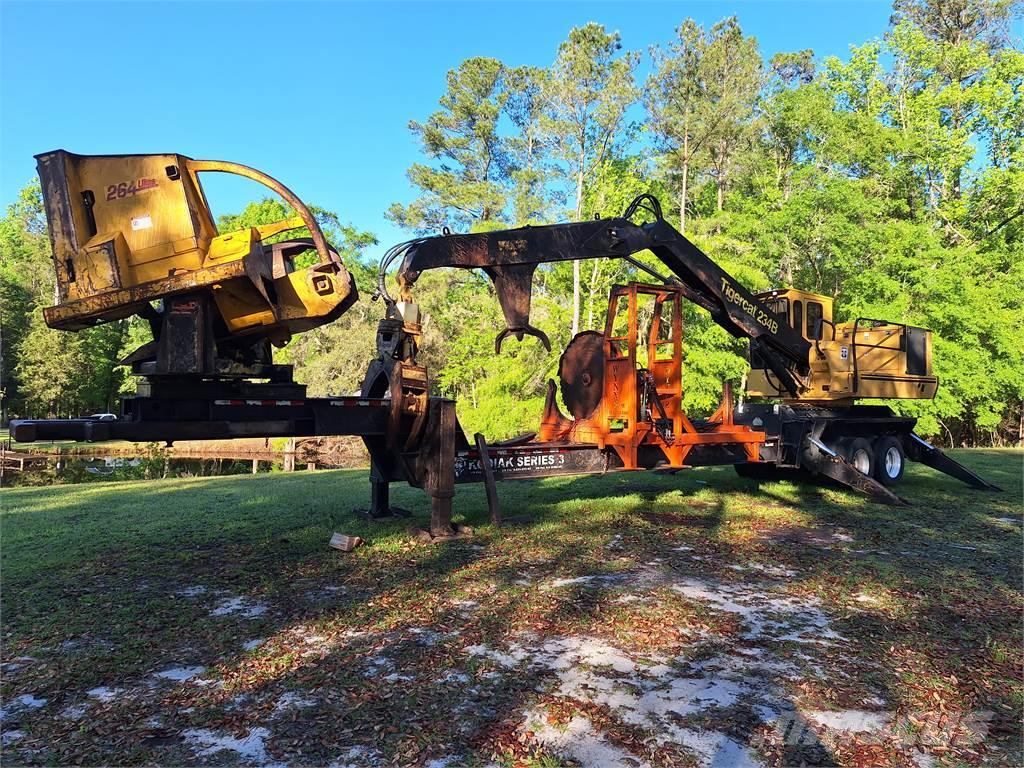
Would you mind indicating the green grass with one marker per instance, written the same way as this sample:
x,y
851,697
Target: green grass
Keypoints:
x,y
96,582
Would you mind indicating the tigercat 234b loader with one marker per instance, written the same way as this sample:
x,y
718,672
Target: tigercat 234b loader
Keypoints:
x,y
134,235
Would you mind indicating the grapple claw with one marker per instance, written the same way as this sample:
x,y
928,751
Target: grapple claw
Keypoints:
x,y
528,330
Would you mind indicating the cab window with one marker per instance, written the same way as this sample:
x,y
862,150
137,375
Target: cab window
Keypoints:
x,y
798,316
813,316
780,308
646,308
664,343
618,341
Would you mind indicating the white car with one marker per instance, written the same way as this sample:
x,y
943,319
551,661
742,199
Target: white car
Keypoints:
x,y
104,416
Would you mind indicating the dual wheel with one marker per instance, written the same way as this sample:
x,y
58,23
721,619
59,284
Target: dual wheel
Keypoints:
x,y
882,458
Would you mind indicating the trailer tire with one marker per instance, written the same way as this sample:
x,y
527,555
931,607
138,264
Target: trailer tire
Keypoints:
x,y
890,460
860,453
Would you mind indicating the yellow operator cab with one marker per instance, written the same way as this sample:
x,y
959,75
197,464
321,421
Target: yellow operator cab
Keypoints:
x,y
866,358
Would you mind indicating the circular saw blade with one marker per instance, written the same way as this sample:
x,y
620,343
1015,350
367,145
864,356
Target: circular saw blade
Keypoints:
x,y
581,371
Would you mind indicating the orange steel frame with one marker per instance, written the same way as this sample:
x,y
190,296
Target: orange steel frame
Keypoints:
x,y
617,422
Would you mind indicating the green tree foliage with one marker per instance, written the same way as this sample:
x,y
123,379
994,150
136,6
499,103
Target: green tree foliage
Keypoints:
x,y
674,90
700,98
329,359
586,96
346,239
890,179
525,110
497,395
65,374
959,21
467,186
45,372
25,274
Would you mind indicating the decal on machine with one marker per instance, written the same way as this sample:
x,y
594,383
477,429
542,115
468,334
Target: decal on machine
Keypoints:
x,y
759,315
129,188
510,464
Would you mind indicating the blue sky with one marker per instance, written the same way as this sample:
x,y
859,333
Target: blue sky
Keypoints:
x,y
318,95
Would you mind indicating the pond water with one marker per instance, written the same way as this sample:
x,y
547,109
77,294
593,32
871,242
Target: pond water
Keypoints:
x,y
84,469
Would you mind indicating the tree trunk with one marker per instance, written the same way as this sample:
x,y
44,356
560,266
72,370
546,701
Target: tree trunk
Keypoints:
x,y
3,401
576,263
682,197
592,293
956,172
723,169
686,177
575,298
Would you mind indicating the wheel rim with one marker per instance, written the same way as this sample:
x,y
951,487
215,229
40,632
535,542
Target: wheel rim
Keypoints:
x,y
862,462
893,462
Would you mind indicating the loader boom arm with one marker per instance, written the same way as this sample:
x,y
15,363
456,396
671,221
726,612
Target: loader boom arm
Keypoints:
x,y
511,256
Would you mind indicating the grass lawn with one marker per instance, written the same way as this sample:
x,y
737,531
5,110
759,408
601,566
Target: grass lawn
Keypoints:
x,y
689,620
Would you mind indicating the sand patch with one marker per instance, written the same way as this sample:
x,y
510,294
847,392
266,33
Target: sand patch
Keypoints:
x,y
239,606
250,747
179,674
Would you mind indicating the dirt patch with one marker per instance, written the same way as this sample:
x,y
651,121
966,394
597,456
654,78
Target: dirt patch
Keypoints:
x,y
824,537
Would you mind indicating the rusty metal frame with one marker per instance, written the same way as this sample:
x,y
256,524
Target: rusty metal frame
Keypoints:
x,y
622,400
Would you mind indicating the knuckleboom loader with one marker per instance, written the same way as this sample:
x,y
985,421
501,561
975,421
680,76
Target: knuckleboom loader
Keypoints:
x,y
133,235
623,386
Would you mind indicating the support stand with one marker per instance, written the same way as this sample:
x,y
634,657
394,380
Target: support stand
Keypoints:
x,y
436,467
489,485
380,497
927,454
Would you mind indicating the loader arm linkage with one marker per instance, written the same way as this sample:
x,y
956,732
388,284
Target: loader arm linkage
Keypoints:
x,y
510,257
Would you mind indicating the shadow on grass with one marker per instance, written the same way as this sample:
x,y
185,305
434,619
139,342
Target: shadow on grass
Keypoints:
x,y
112,587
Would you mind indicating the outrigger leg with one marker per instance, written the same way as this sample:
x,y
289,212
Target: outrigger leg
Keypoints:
x,y
924,452
819,458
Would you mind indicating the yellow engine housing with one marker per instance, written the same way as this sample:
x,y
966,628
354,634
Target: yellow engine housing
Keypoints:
x,y
862,359
127,230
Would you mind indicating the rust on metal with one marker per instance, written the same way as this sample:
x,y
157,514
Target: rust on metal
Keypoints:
x,y
581,371
510,258
628,402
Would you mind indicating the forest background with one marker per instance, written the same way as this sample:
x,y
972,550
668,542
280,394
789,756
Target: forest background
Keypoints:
x,y
891,180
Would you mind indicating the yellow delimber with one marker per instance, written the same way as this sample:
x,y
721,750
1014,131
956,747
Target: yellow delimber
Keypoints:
x,y
128,230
